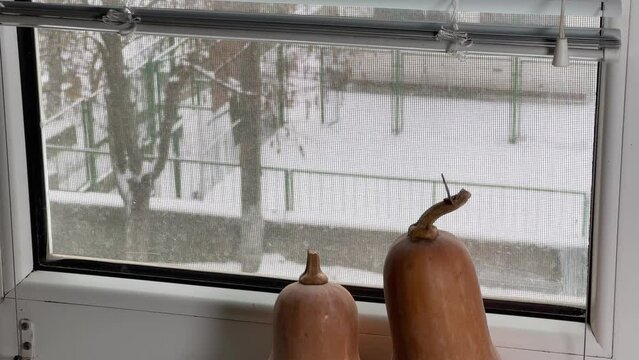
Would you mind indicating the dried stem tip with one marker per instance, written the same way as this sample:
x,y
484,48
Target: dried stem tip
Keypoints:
x,y
424,229
313,274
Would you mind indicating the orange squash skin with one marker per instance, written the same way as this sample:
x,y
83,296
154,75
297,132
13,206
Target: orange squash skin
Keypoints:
x,y
315,321
434,302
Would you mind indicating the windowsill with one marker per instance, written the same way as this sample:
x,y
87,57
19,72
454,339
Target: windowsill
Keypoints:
x,y
511,332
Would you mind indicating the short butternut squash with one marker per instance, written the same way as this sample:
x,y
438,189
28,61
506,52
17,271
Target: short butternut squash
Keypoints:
x,y
315,319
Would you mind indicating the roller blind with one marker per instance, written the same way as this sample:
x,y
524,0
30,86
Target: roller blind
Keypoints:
x,y
596,8
346,25
588,8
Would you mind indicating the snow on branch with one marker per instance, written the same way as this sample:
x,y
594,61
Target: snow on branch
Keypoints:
x,y
237,88
173,89
232,58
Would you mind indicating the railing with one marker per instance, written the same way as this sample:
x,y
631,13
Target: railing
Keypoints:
x,y
365,201
509,78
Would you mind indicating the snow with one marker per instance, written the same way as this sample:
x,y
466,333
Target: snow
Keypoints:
x,y
352,170
342,179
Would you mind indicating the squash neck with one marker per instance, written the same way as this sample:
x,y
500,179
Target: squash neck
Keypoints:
x,y
424,229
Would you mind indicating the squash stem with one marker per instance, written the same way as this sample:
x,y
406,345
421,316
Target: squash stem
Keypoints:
x,y
313,274
424,229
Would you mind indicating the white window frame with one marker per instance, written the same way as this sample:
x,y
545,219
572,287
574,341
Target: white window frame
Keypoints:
x,y
15,235
614,314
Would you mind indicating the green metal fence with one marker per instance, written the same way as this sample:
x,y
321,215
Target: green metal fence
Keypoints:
x,y
83,164
334,195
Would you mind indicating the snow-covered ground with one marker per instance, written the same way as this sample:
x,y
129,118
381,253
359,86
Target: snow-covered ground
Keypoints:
x,y
356,173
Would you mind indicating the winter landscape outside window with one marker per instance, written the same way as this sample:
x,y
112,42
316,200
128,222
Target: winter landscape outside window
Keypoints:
x,y
235,157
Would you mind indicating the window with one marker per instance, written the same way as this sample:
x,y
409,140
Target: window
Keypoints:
x,y
220,161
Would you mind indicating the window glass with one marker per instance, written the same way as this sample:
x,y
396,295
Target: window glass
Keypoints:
x,y
235,157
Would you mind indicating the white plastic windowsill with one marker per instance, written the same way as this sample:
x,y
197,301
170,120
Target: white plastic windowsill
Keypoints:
x,y
511,332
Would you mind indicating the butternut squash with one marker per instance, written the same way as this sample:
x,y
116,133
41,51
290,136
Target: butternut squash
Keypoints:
x,y
315,319
432,293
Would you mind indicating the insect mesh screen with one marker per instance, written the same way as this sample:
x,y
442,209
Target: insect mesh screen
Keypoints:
x,y
231,156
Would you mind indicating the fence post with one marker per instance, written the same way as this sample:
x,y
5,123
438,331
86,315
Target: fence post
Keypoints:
x,y
150,78
198,91
288,190
398,111
281,88
177,169
56,155
157,85
433,191
322,78
515,126
585,215
172,61
89,140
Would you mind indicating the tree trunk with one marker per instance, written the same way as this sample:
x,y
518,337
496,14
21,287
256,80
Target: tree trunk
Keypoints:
x,y
252,223
134,182
137,221
124,150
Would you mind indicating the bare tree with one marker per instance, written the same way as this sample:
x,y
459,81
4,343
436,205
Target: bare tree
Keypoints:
x,y
135,177
136,166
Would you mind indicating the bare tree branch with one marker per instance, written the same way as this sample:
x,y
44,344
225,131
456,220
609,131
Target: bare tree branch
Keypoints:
x,y
178,79
211,75
232,58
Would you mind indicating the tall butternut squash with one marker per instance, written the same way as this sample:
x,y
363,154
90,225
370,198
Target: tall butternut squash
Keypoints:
x,y
432,294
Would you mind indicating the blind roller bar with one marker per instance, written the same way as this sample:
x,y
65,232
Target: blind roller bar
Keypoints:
x,y
316,29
